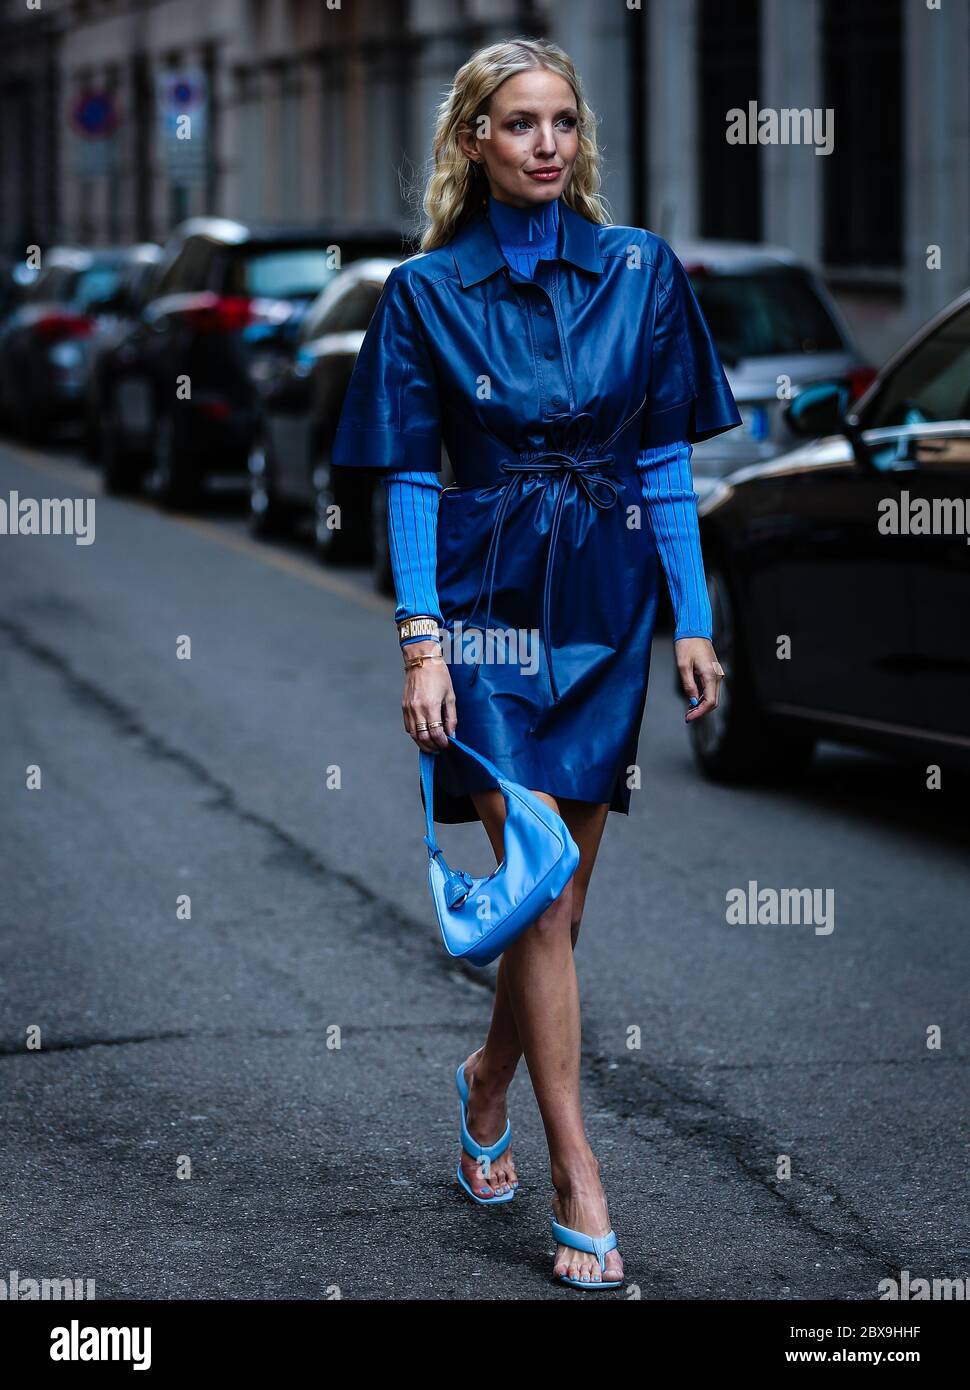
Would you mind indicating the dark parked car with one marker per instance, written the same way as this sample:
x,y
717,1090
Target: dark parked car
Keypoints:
x,y
179,392
837,613
290,473
122,309
14,280
47,338
771,317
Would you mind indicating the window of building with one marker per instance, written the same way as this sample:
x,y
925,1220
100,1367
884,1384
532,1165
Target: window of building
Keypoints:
x,y
728,76
862,83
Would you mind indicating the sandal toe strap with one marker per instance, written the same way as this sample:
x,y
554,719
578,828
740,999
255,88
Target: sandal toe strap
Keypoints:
x,y
485,1153
579,1240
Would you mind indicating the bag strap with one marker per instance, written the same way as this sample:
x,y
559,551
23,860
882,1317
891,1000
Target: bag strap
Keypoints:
x,y
427,782
427,786
455,742
457,883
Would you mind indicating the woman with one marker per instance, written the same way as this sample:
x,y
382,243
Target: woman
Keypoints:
x,y
566,366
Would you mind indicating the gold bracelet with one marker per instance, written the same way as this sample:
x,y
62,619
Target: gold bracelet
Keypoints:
x,y
420,660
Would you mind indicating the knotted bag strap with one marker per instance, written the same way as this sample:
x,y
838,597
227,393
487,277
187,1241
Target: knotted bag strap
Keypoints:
x,y
457,883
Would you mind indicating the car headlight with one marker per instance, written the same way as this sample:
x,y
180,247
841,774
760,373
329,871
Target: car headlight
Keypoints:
x,y
712,495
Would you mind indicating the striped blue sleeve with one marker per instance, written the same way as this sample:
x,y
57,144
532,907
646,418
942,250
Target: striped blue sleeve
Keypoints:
x,y
412,530
668,487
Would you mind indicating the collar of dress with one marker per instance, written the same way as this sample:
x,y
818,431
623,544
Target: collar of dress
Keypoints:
x,y
478,254
533,228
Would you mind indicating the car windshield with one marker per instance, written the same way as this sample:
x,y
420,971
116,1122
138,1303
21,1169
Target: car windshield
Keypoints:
x,y
287,273
765,313
96,285
931,383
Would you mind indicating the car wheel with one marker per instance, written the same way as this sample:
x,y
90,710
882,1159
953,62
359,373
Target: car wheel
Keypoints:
x,y
736,741
380,546
268,516
174,480
90,435
335,526
30,424
117,469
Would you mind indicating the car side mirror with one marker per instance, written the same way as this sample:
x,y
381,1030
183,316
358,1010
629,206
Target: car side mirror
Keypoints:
x,y
818,410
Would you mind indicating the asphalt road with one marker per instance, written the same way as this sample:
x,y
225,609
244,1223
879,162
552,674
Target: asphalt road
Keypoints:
x,y
258,1101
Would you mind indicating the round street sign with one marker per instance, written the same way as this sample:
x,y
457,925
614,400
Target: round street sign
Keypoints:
x,y
95,115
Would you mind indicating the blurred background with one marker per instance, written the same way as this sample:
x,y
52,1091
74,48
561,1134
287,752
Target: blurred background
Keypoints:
x,y
304,112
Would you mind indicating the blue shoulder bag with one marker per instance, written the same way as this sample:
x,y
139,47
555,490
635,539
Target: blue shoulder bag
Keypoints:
x,y
479,917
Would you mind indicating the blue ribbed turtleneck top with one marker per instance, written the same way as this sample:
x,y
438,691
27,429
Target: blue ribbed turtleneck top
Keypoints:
x,y
527,235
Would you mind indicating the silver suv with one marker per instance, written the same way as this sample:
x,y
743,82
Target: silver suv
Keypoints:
x,y
776,329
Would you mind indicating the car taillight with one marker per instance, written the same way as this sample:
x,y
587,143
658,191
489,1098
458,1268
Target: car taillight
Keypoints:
x,y
858,380
53,327
214,313
214,409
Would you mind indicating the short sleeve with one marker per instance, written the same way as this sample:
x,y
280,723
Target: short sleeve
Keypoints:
x,y
688,396
390,418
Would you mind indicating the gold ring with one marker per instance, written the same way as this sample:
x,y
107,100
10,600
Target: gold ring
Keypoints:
x,y
420,728
438,724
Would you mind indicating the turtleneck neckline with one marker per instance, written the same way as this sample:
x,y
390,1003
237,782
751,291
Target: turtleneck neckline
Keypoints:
x,y
524,227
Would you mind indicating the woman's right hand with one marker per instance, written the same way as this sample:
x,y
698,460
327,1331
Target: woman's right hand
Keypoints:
x,y
429,697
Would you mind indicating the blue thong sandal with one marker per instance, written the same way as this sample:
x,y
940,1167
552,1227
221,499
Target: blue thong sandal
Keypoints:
x,y
485,1153
593,1245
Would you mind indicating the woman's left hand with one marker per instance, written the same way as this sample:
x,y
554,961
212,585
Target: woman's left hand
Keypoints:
x,y
700,674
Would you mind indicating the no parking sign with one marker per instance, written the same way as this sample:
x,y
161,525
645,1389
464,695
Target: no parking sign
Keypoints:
x,y
183,111
94,115
94,118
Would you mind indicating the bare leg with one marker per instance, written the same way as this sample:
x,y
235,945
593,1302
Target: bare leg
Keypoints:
x,y
490,1069
538,1014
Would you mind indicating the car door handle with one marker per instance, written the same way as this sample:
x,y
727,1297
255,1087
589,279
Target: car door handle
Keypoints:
x,y
921,449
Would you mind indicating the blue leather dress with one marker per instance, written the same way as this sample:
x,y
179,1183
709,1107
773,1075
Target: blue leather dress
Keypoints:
x,y
544,391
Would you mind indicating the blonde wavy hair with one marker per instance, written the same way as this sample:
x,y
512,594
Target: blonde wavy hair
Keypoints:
x,y
456,187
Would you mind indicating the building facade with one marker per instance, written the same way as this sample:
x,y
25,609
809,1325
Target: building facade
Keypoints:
x,y
303,110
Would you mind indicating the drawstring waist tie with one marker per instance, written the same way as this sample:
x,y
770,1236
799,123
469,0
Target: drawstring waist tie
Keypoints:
x,y
581,466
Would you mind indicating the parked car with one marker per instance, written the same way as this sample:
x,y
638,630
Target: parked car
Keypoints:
x,y
774,323
290,473
834,616
14,279
46,339
178,392
121,311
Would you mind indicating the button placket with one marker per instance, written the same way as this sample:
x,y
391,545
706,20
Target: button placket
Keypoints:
x,y
566,367
553,385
